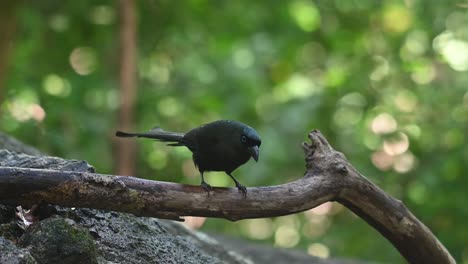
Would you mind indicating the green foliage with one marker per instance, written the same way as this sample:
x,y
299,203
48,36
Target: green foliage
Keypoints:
x,y
385,81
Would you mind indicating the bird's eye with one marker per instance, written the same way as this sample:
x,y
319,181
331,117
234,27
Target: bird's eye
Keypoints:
x,y
243,139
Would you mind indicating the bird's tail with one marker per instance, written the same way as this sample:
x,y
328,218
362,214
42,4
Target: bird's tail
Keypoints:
x,y
175,139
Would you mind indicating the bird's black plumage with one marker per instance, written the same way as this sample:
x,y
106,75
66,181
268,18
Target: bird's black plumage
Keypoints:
x,y
222,145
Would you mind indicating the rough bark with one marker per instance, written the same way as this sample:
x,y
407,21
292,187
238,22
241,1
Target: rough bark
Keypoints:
x,y
329,177
125,162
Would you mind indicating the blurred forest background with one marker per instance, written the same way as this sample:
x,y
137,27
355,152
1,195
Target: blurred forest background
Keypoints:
x,y
385,81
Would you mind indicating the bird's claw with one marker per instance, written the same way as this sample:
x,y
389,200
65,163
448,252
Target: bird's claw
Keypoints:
x,y
206,187
242,189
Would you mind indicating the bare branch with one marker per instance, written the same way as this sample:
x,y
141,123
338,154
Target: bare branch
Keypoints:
x,y
329,177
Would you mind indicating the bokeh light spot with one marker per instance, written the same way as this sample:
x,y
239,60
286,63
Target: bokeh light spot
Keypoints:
x,y
396,18
83,60
243,58
424,74
258,229
416,42
169,106
206,74
24,106
194,222
305,14
404,162
157,158
382,160
384,123
353,99
413,130
56,86
454,51
396,145
297,86
381,70
406,101
347,116
322,209
102,15
286,236
417,192
59,22
318,250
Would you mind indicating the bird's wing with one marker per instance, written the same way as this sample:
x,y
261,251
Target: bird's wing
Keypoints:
x,y
199,139
208,140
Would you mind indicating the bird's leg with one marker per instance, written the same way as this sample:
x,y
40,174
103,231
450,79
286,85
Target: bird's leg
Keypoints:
x,y
205,185
239,186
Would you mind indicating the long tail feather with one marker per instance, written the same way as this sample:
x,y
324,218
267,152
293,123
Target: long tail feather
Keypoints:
x,y
157,134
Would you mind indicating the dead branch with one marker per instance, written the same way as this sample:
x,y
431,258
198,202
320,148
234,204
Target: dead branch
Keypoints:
x,y
329,177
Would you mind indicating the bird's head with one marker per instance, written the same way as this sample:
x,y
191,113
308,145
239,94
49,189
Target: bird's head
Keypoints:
x,y
250,139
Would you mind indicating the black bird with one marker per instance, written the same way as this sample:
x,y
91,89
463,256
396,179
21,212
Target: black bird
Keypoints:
x,y
223,145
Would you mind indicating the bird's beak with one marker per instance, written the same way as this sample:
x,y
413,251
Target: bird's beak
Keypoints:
x,y
254,152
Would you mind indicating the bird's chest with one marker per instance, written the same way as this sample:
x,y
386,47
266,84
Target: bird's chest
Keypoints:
x,y
220,158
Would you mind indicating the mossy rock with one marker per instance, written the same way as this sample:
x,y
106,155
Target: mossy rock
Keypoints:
x,y
11,254
60,240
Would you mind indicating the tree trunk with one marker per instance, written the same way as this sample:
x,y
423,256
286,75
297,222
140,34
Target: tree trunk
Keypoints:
x,y
126,150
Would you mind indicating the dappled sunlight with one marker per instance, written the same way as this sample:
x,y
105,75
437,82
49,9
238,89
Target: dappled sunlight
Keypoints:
x,y
416,44
350,110
404,162
396,18
316,227
243,58
194,222
157,158
394,155
257,229
417,192
206,74
169,107
102,15
56,86
286,236
385,82
318,250
382,160
25,107
413,130
305,14
318,219
453,49
156,68
24,112
384,123
297,86
347,116
406,101
59,22
424,74
322,209
99,99
83,60
381,70
396,145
